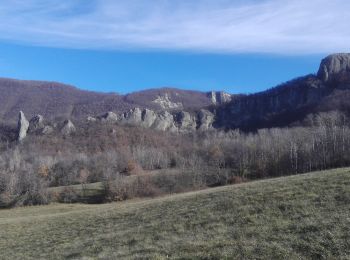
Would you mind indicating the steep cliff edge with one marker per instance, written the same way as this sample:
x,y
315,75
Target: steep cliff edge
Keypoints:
x,y
293,100
335,69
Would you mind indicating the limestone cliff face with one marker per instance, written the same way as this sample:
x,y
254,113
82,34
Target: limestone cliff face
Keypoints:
x,y
291,101
36,123
23,125
181,121
186,122
107,117
206,120
148,117
177,122
132,117
164,122
166,103
335,68
173,110
219,97
68,128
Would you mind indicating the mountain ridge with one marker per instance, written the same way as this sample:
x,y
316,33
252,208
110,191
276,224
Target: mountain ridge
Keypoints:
x,y
57,100
280,106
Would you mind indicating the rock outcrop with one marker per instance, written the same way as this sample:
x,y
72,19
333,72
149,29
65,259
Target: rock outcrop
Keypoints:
x,y
206,120
148,117
68,128
182,111
91,119
47,130
163,121
22,127
36,123
290,102
187,122
335,68
109,117
166,103
219,97
132,117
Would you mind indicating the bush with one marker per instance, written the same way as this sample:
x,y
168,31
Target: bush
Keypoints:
x,y
133,168
236,180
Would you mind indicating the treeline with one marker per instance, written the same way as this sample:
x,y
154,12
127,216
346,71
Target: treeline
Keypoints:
x,y
161,162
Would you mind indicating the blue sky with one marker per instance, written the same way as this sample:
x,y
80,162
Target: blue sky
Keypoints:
x,y
123,46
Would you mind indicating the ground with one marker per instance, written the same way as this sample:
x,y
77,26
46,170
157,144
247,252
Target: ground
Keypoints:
x,y
304,216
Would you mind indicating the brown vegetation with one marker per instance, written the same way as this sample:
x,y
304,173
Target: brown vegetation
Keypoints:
x,y
56,100
113,154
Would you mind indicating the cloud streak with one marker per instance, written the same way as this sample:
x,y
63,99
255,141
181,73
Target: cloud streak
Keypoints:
x,y
228,26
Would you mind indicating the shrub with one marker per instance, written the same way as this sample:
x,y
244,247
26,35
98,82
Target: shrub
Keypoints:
x,y
133,168
236,180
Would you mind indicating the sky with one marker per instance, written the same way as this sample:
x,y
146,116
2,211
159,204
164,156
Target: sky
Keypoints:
x,y
239,46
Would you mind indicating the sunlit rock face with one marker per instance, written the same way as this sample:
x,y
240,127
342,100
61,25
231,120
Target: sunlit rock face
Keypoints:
x,y
164,122
206,120
23,125
108,117
132,117
175,121
148,117
166,103
68,128
335,68
219,97
186,122
36,123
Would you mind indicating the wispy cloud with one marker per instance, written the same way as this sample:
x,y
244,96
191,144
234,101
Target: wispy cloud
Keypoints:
x,y
273,26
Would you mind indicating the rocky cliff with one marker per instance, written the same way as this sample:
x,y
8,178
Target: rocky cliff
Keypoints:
x,y
185,111
335,69
293,100
58,101
219,97
177,122
23,126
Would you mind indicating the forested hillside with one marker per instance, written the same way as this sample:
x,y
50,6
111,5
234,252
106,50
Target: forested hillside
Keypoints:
x,y
298,127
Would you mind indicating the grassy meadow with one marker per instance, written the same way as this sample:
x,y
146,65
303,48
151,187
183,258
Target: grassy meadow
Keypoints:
x,y
297,217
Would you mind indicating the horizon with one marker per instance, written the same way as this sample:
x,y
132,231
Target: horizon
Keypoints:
x,y
213,72
227,45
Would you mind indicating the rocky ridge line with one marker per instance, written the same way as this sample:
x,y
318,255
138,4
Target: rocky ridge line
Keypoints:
x,y
180,122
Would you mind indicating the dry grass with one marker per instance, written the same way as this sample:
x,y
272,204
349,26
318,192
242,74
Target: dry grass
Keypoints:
x,y
305,216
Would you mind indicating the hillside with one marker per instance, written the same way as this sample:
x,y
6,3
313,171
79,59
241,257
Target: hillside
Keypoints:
x,y
295,217
56,100
290,102
287,104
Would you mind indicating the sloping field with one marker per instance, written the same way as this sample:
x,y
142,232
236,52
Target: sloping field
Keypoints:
x,y
305,216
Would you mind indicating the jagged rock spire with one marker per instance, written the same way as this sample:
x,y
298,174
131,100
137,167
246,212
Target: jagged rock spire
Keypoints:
x,y
23,126
37,122
68,128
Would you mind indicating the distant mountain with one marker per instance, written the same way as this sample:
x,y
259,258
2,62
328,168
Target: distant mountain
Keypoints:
x,y
56,100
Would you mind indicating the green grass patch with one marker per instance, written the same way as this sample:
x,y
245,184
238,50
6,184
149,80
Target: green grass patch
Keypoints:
x,y
305,216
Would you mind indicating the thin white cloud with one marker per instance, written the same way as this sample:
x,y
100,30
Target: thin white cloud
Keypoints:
x,y
273,26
